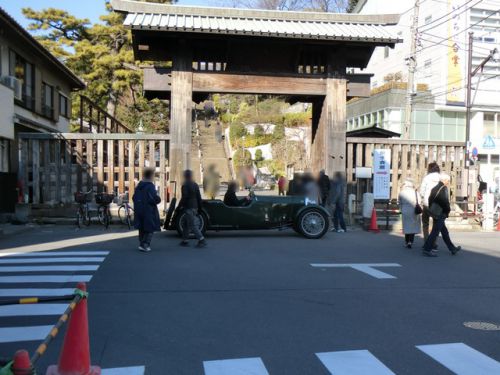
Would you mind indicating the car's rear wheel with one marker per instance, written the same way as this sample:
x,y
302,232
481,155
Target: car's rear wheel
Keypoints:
x,y
312,223
180,224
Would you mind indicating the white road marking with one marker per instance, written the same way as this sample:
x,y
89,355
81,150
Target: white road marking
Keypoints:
x,y
55,254
48,268
45,279
239,366
34,292
136,370
15,334
367,268
52,260
353,362
461,359
33,309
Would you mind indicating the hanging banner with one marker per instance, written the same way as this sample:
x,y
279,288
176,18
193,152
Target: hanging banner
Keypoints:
x,y
382,174
455,55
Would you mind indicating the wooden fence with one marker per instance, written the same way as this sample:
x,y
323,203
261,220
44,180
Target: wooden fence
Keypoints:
x,y
53,166
409,159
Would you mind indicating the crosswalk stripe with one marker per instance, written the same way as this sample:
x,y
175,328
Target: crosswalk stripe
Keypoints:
x,y
52,260
35,292
15,334
33,310
135,370
13,269
461,359
353,362
45,279
54,253
239,366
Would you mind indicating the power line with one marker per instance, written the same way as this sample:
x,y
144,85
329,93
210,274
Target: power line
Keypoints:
x,y
447,14
460,32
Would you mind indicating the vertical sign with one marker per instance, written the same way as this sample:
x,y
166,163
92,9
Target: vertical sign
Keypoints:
x,y
455,55
382,174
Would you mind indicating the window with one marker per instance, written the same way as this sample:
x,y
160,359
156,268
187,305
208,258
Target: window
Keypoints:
x,y
428,20
25,73
63,105
489,125
47,100
386,52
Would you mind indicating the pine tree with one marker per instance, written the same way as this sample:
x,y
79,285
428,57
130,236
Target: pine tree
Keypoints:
x,y
101,55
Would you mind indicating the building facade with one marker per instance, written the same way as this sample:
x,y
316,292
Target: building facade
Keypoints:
x,y
35,90
442,49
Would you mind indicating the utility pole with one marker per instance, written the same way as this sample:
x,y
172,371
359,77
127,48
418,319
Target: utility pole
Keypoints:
x,y
468,101
412,64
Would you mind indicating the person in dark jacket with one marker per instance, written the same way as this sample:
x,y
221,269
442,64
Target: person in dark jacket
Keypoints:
x,y
190,204
146,216
230,198
324,187
439,207
337,202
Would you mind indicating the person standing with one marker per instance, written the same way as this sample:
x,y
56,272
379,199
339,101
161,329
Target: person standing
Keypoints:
x,y
408,201
337,202
439,208
282,185
324,187
428,183
146,216
190,204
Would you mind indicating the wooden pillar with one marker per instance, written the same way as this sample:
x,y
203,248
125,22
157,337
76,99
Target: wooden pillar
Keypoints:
x,y
329,140
180,113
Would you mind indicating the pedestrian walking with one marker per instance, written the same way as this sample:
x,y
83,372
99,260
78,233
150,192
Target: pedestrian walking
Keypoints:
x,y
146,216
190,204
409,204
324,187
282,185
439,208
337,202
428,183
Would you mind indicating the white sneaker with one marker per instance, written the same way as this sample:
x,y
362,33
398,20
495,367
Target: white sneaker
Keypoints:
x,y
146,249
340,231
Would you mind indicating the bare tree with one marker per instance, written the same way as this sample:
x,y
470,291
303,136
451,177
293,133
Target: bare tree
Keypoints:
x,y
336,6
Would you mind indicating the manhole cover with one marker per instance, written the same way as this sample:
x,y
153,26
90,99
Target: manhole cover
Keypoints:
x,y
484,326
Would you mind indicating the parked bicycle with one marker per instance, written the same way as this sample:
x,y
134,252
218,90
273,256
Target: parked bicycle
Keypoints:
x,y
83,210
125,212
103,201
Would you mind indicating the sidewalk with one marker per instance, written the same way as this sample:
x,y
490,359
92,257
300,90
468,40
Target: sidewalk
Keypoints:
x,y
8,229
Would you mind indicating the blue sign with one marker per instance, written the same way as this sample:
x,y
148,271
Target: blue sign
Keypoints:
x,y
475,152
489,143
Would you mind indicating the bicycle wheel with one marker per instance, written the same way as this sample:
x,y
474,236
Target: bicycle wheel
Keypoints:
x,y
86,216
130,218
79,217
101,213
107,217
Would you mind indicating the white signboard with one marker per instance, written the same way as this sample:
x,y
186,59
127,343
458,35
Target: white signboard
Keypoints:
x,y
382,174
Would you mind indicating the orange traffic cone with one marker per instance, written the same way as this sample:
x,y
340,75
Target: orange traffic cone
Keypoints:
x,y
373,222
21,364
75,354
498,225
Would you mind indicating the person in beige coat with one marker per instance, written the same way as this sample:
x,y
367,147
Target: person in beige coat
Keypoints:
x,y
408,199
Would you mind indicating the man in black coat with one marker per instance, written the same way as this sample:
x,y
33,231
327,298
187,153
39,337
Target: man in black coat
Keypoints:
x,y
190,204
439,207
324,187
146,217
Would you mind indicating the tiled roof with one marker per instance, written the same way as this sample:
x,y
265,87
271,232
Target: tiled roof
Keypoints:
x,y
300,25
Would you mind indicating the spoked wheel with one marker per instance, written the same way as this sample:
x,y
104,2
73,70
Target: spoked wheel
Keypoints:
x,y
312,223
200,220
126,218
104,216
79,218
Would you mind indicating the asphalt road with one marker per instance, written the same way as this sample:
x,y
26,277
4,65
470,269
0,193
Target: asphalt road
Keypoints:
x,y
256,295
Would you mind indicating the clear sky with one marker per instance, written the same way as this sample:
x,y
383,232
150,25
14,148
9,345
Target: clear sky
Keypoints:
x,y
90,9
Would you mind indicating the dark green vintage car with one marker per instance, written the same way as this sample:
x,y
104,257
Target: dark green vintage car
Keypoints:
x,y
263,212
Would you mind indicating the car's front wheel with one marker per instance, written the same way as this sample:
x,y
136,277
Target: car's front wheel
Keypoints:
x,y
312,223
181,223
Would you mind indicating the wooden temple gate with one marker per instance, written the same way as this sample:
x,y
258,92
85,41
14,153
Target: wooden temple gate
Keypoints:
x,y
303,56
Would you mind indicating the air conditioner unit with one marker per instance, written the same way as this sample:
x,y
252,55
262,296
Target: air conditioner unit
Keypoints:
x,y
15,84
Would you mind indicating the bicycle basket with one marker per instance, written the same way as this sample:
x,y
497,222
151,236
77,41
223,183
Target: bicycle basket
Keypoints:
x,y
82,197
104,198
